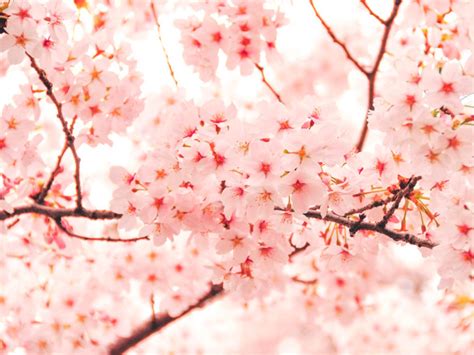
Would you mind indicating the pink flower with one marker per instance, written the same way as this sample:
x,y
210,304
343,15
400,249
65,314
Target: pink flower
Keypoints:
x,y
24,11
447,88
238,243
18,40
305,190
58,11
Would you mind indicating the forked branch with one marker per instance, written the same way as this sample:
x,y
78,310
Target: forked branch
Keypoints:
x,y
67,132
369,74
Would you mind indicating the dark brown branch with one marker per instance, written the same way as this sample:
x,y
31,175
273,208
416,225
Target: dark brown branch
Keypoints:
x,y
60,225
397,236
356,226
372,75
55,213
161,321
371,205
267,84
158,27
40,196
337,40
158,322
67,132
379,19
404,192
3,22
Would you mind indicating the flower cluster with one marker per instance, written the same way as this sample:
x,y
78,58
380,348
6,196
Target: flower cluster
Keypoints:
x,y
242,30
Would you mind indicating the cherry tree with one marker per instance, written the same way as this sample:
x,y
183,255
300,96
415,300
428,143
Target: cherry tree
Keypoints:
x,y
283,176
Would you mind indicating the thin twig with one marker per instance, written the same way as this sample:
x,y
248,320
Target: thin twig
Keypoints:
x,y
372,74
379,19
158,27
304,282
337,40
67,132
40,196
267,84
405,192
371,205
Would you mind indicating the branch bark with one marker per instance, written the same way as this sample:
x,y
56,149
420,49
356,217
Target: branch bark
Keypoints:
x,y
337,40
55,213
159,322
375,227
371,75
404,192
377,17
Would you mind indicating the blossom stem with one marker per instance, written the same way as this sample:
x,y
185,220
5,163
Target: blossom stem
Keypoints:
x,y
267,84
165,52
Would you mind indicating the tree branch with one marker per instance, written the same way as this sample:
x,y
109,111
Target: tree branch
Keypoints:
x,y
404,192
55,213
40,196
338,41
161,321
373,73
379,19
397,236
268,85
67,132
371,205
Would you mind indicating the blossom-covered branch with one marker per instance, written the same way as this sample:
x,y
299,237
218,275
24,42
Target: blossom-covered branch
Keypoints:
x,y
375,227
